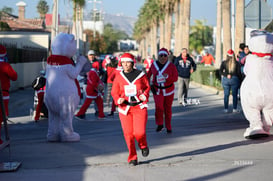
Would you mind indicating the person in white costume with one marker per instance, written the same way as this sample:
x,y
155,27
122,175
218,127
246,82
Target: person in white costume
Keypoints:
x,y
256,89
62,93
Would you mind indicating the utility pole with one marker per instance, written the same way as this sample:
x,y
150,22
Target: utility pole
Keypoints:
x,y
260,14
94,12
55,20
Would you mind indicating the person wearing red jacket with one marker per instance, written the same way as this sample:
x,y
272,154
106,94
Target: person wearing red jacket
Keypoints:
x,y
93,92
111,69
147,63
7,73
131,92
40,108
164,75
207,59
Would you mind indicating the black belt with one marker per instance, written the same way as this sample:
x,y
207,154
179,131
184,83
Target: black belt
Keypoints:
x,y
165,87
132,103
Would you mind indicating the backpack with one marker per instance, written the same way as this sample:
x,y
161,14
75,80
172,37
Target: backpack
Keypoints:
x,y
38,82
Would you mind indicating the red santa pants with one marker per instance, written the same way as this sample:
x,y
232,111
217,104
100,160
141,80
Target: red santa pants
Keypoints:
x,y
134,127
87,102
163,105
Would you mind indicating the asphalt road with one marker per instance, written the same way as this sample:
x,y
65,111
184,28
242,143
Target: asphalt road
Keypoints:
x,y
206,144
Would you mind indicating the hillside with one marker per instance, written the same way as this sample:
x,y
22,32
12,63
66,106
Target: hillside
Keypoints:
x,y
120,22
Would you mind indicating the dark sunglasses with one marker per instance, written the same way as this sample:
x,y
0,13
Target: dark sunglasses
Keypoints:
x,y
163,55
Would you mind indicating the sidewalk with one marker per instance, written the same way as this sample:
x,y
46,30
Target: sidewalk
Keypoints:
x,y
206,144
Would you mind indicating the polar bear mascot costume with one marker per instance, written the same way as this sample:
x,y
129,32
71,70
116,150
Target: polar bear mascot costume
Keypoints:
x,y
256,89
62,94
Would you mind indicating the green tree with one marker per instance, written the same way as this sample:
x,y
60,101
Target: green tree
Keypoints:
x,y
200,36
42,8
98,44
4,26
7,10
111,37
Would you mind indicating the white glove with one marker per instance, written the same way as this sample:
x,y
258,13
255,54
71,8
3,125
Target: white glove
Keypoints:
x,y
142,97
121,100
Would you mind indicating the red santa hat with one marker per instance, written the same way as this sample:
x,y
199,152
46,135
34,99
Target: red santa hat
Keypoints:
x,y
128,57
3,51
230,52
163,51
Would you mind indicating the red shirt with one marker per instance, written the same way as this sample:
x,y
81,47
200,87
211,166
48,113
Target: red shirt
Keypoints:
x,y
207,59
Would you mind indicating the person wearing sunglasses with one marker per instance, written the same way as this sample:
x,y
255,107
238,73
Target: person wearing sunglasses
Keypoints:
x,y
185,66
164,75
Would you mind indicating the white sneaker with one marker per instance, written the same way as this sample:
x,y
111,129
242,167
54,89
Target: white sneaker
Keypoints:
x,y
225,110
235,110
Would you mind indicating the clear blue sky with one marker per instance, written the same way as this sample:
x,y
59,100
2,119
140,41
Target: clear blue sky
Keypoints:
x,y
201,9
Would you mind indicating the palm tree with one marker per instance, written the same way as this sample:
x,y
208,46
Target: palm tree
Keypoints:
x,y
180,27
240,24
6,9
218,55
226,26
42,8
168,23
161,24
200,36
186,24
77,28
176,26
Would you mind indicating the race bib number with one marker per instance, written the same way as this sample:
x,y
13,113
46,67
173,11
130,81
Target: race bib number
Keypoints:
x,y
130,90
160,79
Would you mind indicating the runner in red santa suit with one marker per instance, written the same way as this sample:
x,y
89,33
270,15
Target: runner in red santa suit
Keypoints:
x,y
131,92
41,107
164,75
93,92
148,63
7,73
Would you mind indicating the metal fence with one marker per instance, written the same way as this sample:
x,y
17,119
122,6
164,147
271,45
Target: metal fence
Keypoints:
x,y
25,54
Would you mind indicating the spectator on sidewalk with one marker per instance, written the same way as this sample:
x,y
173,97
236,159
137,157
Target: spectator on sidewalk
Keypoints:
x,y
164,75
171,56
185,67
7,73
241,52
208,59
243,59
131,92
231,78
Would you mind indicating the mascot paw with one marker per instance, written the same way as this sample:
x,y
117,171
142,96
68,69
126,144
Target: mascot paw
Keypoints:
x,y
81,59
255,133
73,137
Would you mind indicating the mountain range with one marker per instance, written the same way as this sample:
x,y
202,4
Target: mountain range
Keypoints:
x,y
120,22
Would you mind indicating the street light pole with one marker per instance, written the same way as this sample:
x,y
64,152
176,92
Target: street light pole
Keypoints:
x,y
260,14
94,15
55,20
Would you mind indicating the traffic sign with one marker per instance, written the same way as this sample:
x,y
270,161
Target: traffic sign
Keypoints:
x,y
258,14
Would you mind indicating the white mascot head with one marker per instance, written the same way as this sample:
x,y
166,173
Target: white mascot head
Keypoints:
x,y
64,44
261,42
